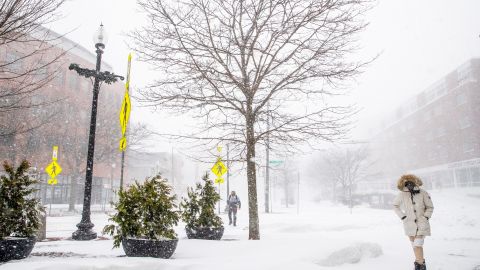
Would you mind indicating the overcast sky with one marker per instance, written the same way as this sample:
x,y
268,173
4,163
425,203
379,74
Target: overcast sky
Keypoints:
x,y
418,42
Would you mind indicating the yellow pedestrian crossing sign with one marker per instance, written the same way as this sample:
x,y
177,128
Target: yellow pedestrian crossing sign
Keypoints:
x,y
219,168
53,169
123,144
125,112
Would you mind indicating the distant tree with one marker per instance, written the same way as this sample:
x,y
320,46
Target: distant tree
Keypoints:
x,y
233,62
346,167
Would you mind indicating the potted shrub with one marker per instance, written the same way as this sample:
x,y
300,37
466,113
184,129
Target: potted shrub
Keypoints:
x,y
145,216
198,212
19,213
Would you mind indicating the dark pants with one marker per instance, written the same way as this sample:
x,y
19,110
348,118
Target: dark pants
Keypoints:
x,y
232,210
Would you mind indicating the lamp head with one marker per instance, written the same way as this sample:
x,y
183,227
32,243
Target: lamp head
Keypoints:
x,y
100,38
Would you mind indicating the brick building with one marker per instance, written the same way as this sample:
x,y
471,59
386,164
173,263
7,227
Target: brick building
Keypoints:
x,y
434,134
64,117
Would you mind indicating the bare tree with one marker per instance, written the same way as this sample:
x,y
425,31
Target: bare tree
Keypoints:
x,y
347,167
325,176
29,59
225,60
137,136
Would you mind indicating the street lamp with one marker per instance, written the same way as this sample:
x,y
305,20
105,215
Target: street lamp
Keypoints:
x,y
85,226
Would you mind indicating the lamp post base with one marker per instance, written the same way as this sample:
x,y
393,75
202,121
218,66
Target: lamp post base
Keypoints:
x,y
84,232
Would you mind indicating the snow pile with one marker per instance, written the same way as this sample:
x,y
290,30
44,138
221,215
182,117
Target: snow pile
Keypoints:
x,y
352,254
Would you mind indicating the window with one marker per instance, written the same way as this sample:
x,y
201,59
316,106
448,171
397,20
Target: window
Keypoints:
x,y
441,132
475,174
468,146
73,81
60,78
421,100
13,61
443,152
83,115
32,143
42,72
431,95
410,125
85,85
461,99
441,89
464,73
7,140
427,116
411,106
465,122
429,135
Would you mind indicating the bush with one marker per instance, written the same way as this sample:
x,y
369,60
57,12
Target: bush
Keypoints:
x,y
198,210
19,211
144,211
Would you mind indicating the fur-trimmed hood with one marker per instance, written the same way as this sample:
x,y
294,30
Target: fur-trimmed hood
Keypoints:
x,y
408,177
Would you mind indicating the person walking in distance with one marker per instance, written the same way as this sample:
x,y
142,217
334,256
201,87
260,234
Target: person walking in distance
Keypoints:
x,y
234,204
414,207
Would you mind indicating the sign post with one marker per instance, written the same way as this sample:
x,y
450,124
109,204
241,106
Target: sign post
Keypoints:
x,y
124,117
53,169
219,169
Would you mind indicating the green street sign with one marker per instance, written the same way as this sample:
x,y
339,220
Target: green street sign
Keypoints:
x,y
275,162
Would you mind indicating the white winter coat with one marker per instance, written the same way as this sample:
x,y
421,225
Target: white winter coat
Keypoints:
x,y
417,211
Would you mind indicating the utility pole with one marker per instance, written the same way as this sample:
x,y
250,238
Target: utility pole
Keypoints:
x,y
267,164
228,171
298,192
173,177
219,192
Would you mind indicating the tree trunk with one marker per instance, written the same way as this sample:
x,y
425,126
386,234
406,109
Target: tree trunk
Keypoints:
x,y
254,230
350,198
285,187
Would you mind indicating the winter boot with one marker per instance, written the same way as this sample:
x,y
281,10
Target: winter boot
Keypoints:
x,y
420,266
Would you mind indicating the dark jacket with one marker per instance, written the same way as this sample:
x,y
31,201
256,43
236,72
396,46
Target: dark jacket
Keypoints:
x,y
233,201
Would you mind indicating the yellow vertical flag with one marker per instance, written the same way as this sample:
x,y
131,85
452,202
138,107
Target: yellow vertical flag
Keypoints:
x,y
124,114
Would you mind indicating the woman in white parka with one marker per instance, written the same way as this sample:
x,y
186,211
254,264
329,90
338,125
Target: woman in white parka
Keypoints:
x,y
414,207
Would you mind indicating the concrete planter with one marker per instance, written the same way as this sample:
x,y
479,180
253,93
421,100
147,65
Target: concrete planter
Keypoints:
x,y
205,233
149,248
16,248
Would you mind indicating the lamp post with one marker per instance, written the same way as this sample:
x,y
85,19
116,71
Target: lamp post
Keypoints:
x,y
85,226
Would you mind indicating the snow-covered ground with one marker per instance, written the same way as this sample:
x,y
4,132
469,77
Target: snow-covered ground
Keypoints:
x,y
323,236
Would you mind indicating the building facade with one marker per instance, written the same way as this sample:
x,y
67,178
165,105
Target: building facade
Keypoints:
x,y
142,165
434,134
61,117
